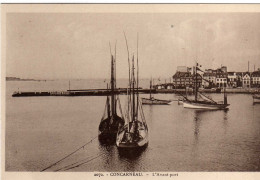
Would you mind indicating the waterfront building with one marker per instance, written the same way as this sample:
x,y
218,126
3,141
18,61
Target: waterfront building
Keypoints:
x,y
221,76
181,80
215,77
209,78
246,80
221,79
255,79
223,69
239,79
212,78
232,80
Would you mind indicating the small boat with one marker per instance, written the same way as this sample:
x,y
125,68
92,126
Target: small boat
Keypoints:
x,y
203,105
110,122
207,102
256,98
153,101
134,134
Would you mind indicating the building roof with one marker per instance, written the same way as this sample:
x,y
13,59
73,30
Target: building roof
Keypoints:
x,y
221,75
255,74
181,75
232,73
246,73
209,74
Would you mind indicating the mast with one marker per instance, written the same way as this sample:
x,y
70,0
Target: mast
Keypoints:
x,y
196,93
115,67
225,96
137,83
151,89
108,105
115,79
112,86
133,86
129,82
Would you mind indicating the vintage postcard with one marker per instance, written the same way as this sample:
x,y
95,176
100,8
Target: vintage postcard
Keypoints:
x,y
94,91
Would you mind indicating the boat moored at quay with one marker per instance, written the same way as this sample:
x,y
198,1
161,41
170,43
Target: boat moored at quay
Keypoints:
x,y
207,102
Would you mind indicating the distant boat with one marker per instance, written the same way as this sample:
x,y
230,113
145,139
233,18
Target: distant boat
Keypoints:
x,y
256,98
134,134
153,101
110,122
207,102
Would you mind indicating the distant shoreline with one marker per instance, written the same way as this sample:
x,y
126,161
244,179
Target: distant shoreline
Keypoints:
x,y
73,79
20,79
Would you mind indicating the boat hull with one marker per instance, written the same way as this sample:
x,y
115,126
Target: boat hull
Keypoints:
x,y
141,143
197,105
142,140
107,132
147,101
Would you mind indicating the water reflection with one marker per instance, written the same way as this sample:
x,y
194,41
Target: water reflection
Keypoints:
x,y
197,123
225,120
131,154
198,120
108,152
129,158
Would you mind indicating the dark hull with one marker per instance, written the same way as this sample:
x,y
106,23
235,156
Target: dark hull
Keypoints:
x,y
107,132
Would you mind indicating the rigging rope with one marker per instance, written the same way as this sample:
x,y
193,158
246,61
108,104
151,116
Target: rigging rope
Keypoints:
x,y
104,114
120,108
68,155
142,112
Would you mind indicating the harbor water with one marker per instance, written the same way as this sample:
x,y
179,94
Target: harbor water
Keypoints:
x,y
41,130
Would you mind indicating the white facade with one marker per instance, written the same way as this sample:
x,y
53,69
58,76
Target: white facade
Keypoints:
x,y
207,79
246,81
221,82
255,80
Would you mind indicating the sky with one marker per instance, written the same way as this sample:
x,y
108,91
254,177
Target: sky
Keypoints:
x,y
76,45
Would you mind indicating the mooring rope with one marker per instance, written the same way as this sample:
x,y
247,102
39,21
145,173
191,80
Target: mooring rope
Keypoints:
x,y
68,155
72,164
85,162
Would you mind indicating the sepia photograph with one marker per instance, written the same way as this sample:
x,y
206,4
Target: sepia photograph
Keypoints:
x,y
130,90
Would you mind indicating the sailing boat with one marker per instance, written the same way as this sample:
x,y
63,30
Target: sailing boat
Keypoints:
x,y
153,101
207,102
134,134
110,122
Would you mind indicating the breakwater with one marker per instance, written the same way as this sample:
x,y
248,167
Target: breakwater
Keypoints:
x,y
80,92
105,92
